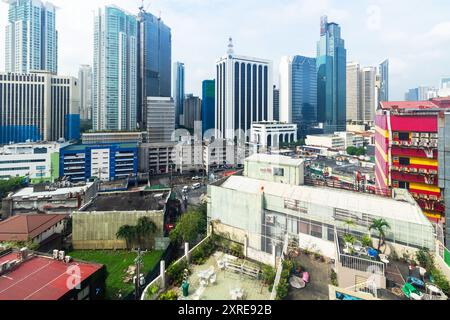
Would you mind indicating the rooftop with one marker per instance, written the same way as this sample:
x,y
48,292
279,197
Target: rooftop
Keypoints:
x,y
424,105
275,159
82,147
40,278
130,201
29,192
378,206
26,227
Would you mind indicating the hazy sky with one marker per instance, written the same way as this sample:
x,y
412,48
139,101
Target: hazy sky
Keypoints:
x,y
413,34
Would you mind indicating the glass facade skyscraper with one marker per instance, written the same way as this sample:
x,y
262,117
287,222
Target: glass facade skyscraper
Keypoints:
x,y
31,37
178,90
298,92
208,105
155,60
331,77
115,72
384,81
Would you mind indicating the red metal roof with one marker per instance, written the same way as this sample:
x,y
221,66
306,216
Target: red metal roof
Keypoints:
x,y
426,105
41,278
27,227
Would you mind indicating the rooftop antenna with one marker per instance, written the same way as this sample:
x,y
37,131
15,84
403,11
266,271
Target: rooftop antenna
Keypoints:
x,y
230,46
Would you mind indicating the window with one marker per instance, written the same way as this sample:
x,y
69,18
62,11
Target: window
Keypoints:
x,y
403,136
278,172
404,161
316,231
403,185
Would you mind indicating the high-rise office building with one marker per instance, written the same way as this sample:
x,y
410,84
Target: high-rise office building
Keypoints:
x,y
208,105
115,73
353,97
192,111
383,93
276,103
155,60
178,90
331,82
412,94
31,37
244,92
298,92
38,106
85,84
160,119
368,94
445,82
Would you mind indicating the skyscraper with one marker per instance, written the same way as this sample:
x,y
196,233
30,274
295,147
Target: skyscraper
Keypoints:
x,y
276,103
85,84
331,77
31,37
160,119
192,111
48,108
368,94
178,90
384,81
208,108
445,82
298,92
155,60
244,92
353,97
115,70
412,94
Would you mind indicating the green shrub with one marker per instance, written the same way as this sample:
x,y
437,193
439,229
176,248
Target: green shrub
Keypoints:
x,y
201,254
268,275
282,289
425,259
334,279
366,241
152,291
348,238
175,272
168,295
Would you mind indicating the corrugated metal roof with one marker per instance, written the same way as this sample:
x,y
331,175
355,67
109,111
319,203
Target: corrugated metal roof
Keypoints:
x,y
275,159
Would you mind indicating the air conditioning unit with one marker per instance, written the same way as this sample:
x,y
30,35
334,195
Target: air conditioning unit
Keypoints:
x,y
24,253
434,135
61,255
270,219
67,259
414,141
433,172
4,266
416,135
55,254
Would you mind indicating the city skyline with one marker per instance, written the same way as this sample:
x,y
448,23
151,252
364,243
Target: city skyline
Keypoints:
x,y
371,35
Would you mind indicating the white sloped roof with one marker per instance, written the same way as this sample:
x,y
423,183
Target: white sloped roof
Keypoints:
x,y
347,200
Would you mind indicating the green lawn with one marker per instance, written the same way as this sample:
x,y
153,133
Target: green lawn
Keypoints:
x,y
117,263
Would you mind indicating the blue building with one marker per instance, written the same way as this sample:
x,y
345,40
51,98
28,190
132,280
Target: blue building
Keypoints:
x,y
412,95
155,60
178,91
298,92
208,105
331,77
31,37
115,71
106,162
384,81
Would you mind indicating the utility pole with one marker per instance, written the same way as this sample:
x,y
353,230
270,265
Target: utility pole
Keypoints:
x,y
138,262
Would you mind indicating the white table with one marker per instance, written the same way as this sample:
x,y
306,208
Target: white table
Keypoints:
x,y
434,289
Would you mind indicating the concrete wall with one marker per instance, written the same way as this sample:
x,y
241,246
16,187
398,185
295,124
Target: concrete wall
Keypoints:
x,y
97,230
265,171
316,245
365,296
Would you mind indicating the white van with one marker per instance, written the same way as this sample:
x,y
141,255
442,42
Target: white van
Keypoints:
x,y
196,186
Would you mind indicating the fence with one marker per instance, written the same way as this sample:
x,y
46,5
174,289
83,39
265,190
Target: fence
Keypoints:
x,y
273,295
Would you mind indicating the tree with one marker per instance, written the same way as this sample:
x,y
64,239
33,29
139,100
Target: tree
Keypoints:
x,y
127,233
349,223
144,229
189,226
380,225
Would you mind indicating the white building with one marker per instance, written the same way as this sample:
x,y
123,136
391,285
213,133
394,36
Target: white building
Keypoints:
x,y
34,160
353,91
43,107
272,134
244,94
351,139
160,119
85,79
368,94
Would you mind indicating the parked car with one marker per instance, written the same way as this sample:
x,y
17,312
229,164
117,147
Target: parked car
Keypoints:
x,y
196,186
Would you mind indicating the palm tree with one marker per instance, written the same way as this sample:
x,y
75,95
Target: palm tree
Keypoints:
x,y
127,233
145,228
380,225
349,223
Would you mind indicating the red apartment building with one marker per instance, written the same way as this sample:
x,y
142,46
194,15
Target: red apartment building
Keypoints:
x,y
406,143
